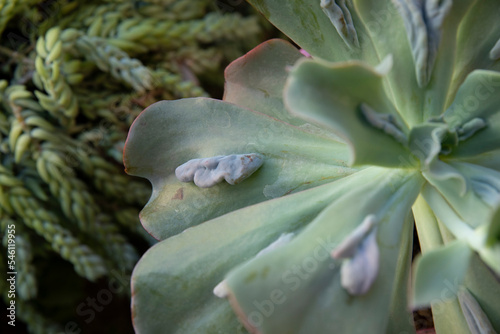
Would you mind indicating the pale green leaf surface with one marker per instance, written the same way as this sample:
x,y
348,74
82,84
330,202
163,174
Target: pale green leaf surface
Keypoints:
x,y
483,284
439,85
484,183
308,279
470,206
169,133
426,224
436,269
387,31
447,315
484,140
462,230
331,94
478,33
447,214
172,284
256,80
479,279
489,159
401,316
477,97
313,31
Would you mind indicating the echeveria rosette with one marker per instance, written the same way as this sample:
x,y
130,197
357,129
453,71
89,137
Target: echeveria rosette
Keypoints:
x,y
305,244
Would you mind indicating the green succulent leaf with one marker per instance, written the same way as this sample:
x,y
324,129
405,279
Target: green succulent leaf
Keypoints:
x,y
349,99
297,288
400,312
460,229
387,32
474,202
486,139
172,283
477,97
436,269
489,160
304,244
169,133
315,32
483,283
256,80
476,318
479,279
403,28
475,113
438,86
477,35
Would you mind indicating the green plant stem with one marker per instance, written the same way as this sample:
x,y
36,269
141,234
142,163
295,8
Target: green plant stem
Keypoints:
x,y
16,56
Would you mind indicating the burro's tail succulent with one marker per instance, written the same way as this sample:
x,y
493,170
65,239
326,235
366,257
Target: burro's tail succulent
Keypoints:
x,y
393,117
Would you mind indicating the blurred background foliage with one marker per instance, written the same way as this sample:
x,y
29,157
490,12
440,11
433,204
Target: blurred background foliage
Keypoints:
x,y
73,77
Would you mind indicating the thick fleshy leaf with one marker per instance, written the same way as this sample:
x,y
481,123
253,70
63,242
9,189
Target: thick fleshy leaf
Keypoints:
x,y
447,215
479,279
477,35
486,139
489,160
436,90
483,284
473,203
474,315
256,80
170,133
401,316
297,287
477,97
349,99
390,30
387,31
484,183
173,282
460,229
436,268
313,30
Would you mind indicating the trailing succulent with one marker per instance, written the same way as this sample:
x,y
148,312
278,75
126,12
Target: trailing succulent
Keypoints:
x,y
73,77
297,194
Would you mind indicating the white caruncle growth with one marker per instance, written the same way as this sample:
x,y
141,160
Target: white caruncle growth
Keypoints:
x,y
360,251
385,122
468,129
221,290
477,320
341,18
207,172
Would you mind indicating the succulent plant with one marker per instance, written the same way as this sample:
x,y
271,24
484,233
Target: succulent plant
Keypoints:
x,y
73,77
389,115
